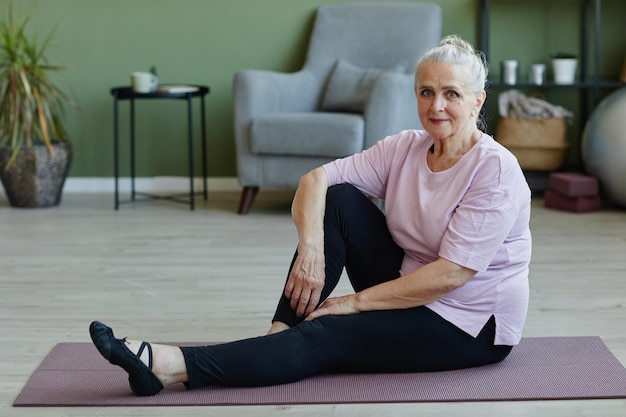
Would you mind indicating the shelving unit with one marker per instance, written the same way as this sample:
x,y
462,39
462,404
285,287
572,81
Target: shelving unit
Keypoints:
x,y
590,85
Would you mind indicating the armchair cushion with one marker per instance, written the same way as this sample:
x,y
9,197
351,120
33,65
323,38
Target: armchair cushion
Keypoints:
x,y
308,134
349,86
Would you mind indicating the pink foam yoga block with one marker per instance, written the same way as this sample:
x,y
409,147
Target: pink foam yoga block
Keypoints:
x,y
572,184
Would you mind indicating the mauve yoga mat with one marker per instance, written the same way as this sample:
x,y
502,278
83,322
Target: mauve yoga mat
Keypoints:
x,y
546,368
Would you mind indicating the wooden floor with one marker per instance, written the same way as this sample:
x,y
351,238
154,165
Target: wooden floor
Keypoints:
x,y
159,272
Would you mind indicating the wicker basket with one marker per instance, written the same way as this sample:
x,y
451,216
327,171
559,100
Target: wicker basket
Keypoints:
x,y
539,145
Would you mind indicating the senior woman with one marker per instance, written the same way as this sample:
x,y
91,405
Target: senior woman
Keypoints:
x,y
440,279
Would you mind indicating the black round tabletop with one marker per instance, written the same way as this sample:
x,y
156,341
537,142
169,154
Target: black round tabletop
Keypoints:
x,y
163,91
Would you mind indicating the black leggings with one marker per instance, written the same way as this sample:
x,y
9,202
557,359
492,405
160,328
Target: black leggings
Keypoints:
x,y
409,340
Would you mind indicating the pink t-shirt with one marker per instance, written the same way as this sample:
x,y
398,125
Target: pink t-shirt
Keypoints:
x,y
475,214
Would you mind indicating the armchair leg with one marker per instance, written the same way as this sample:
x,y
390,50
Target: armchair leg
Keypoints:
x,y
247,198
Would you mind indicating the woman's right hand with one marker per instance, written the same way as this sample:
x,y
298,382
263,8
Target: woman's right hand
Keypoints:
x,y
306,280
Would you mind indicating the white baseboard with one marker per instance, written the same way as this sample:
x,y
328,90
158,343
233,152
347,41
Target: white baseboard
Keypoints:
x,y
146,184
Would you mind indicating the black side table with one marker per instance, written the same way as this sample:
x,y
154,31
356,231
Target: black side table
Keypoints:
x,y
187,93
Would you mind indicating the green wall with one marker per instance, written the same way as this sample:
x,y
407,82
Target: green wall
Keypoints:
x,y
206,42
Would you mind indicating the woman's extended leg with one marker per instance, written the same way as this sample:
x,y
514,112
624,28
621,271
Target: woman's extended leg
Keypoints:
x,y
411,340
355,237
408,340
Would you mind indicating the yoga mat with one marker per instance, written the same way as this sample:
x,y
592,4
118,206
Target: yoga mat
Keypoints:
x,y
548,368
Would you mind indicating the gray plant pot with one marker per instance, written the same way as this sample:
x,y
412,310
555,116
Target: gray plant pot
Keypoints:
x,y
37,177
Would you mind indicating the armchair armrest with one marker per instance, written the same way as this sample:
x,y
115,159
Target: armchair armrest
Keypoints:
x,y
257,92
391,107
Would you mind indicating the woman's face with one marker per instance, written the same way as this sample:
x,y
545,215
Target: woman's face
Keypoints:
x,y
446,104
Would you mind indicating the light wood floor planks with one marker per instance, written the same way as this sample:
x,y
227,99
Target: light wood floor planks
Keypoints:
x,y
159,272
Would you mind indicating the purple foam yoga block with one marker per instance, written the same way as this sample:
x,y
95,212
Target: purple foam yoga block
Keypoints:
x,y
553,199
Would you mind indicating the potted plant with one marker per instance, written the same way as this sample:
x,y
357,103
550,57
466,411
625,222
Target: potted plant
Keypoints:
x,y
34,152
564,67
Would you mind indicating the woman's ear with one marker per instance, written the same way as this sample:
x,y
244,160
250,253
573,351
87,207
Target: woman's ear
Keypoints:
x,y
480,100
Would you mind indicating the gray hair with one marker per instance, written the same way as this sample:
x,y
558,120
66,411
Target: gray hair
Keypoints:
x,y
452,49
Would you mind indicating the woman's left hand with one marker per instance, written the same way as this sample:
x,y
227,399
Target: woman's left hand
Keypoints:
x,y
336,306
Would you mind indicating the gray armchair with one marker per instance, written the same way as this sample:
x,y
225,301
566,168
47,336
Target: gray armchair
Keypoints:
x,y
355,88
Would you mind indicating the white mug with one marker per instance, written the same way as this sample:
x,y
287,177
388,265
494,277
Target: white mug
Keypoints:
x,y
143,82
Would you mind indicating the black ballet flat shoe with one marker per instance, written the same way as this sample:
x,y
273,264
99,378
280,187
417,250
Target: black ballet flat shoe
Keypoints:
x,y
141,378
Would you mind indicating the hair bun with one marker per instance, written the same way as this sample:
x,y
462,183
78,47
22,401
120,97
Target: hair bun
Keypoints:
x,y
458,42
